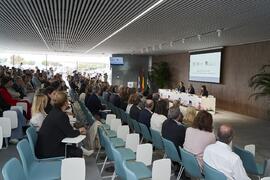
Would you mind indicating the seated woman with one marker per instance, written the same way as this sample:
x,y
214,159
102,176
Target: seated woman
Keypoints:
x,y
200,135
135,109
189,116
55,128
159,116
38,112
5,84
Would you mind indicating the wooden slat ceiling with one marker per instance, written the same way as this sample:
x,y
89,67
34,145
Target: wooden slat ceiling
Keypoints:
x,y
78,26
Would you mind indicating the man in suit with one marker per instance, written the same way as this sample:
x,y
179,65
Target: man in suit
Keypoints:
x,y
146,113
115,98
173,129
93,103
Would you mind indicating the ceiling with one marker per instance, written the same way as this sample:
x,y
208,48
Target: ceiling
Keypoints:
x,y
104,26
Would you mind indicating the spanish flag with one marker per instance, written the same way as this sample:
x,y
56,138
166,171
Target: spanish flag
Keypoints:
x,y
142,83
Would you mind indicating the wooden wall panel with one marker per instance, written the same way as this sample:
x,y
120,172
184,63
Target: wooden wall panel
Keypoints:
x,y
239,64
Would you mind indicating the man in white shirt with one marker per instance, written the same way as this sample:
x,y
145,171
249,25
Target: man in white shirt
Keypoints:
x,y
220,156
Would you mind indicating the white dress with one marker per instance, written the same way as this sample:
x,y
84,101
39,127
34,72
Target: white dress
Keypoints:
x,y
37,120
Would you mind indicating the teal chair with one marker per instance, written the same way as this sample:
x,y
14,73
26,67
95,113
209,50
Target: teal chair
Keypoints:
x,y
123,116
140,170
32,138
172,153
136,126
34,169
128,173
191,164
157,139
249,162
212,174
13,170
145,132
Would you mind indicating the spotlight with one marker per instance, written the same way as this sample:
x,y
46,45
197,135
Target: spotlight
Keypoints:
x,y
183,41
219,31
199,37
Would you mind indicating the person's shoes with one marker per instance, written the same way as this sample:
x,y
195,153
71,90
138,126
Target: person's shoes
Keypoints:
x,y
13,141
87,152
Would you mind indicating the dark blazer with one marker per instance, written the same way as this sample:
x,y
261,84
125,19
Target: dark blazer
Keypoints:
x,y
115,100
174,132
191,90
204,93
145,117
134,112
93,103
182,89
54,129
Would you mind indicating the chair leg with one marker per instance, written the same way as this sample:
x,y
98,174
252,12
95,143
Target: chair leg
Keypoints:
x,y
98,153
164,156
103,165
6,143
114,175
141,140
180,173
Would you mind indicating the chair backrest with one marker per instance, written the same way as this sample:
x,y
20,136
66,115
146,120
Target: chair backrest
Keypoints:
x,y
109,118
247,159
123,115
115,124
26,155
1,137
266,178
100,137
132,141
12,115
212,174
190,163
136,126
17,107
251,148
144,153
118,163
32,137
107,146
129,122
171,151
13,170
157,139
161,169
73,168
145,132
23,104
122,132
5,123
128,173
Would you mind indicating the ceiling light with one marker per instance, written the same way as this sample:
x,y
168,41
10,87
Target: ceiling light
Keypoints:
x,y
183,41
219,31
160,46
199,37
171,44
126,25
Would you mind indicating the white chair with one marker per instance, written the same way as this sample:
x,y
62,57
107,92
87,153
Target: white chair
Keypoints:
x,y
12,115
144,153
73,168
115,124
122,132
1,137
266,178
82,97
23,104
251,148
17,107
132,141
5,123
161,169
109,118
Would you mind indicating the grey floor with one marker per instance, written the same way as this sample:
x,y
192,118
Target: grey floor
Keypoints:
x,y
248,130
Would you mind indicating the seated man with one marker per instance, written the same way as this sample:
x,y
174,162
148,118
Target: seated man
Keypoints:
x,y
220,156
146,113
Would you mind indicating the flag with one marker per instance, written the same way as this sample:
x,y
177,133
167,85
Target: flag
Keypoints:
x,y
142,83
139,82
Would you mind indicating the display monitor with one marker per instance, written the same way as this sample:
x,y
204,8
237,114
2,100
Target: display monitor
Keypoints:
x,y
116,60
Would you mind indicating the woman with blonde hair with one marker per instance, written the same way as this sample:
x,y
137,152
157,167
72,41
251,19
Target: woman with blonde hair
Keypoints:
x,y
189,116
38,113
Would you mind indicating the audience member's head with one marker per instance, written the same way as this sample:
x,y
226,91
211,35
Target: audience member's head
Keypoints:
x,y
176,103
190,115
203,121
155,96
162,107
175,114
61,100
6,82
39,103
149,104
225,133
50,92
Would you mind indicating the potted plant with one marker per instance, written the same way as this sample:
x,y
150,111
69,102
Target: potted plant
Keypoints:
x,y
160,75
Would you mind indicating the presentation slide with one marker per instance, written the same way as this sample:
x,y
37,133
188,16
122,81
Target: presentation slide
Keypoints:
x,y
205,67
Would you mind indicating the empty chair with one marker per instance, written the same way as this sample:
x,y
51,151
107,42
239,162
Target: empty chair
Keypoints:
x,y
122,132
128,173
191,164
250,148
12,115
110,117
132,141
36,170
13,170
145,132
172,153
23,104
212,174
249,163
161,169
5,123
157,139
115,124
144,153
73,168
1,137
266,178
